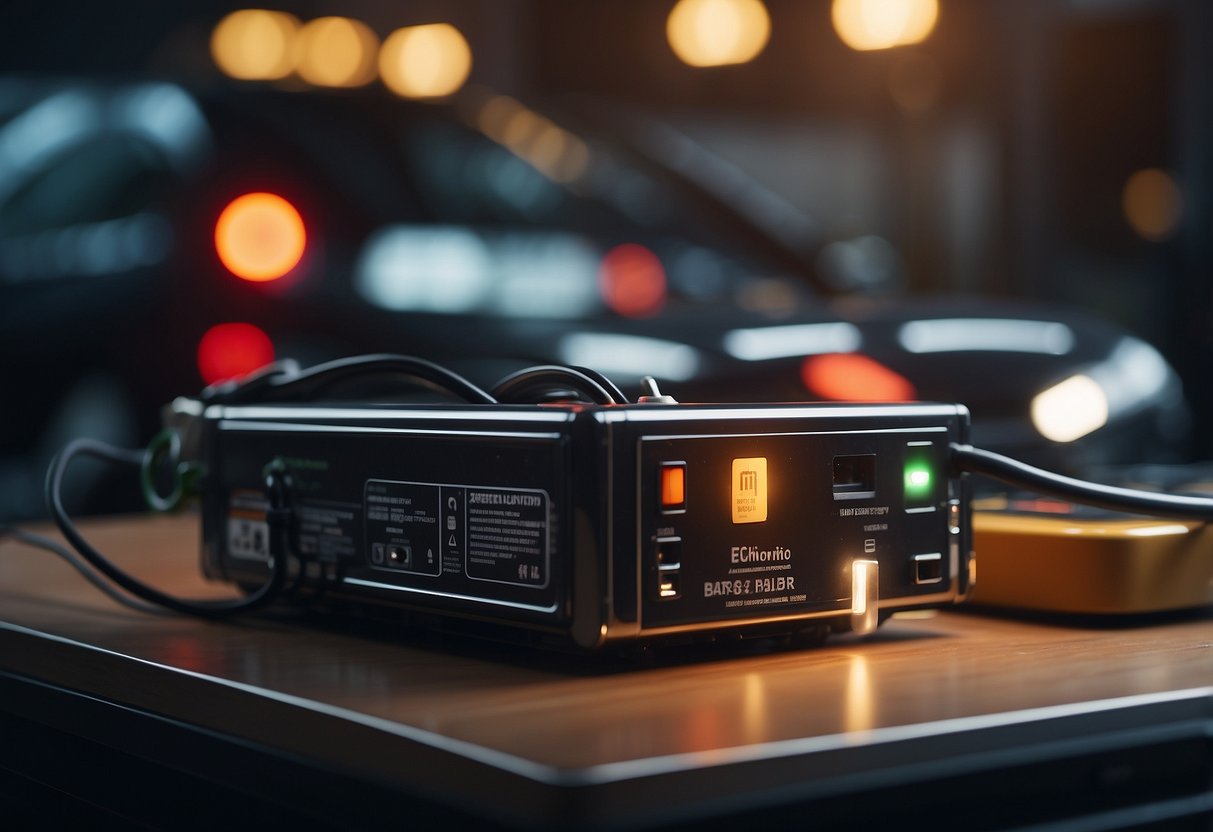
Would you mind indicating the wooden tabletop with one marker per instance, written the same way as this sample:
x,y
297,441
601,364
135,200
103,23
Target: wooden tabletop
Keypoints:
x,y
627,738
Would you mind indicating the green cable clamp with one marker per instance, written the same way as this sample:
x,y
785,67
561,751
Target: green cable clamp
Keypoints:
x,y
186,474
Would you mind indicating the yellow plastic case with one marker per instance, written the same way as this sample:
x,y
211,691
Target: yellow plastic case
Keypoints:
x,y
1080,565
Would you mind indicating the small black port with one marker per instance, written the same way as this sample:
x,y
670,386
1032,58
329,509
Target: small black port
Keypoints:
x,y
401,556
669,552
928,569
855,477
668,555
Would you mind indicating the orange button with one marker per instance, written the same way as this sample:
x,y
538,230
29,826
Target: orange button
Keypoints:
x,y
673,485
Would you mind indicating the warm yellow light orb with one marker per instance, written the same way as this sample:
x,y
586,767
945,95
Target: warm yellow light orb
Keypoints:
x,y
256,44
1152,204
337,52
429,61
495,115
549,148
718,32
260,237
519,132
883,24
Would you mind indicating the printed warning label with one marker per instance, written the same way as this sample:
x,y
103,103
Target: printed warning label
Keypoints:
x,y
507,536
489,534
248,535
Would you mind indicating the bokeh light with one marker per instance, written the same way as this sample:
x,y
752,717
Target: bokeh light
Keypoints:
x,y
430,61
256,44
632,281
1152,204
337,52
233,350
718,32
1070,409
777,298
854,377
883,24
260,237
547,147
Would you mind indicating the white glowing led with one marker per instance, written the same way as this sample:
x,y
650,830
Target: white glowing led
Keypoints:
x,y
859,588
865,596
1070,409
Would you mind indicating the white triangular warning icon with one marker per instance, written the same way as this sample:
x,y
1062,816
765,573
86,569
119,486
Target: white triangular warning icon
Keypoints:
x,y
452,542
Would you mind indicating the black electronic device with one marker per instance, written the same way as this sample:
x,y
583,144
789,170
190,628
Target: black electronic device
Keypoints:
x,y
593,524
551,508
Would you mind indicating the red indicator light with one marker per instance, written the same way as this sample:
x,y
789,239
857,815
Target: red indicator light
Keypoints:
x,y
851,377
632,281
230,351
673,485
260,237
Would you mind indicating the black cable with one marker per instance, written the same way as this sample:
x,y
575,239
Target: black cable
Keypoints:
x,y
57,548
277,517
615,393
221,391
1020,474
281,382
535,383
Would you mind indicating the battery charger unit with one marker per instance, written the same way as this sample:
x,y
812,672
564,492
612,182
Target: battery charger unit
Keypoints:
x,y
552,510
592,524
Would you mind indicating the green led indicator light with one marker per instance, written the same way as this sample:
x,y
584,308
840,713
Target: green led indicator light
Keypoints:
x,y
921,490
918,481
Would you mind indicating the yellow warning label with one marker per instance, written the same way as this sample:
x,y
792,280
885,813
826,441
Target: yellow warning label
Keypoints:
x,y
749,490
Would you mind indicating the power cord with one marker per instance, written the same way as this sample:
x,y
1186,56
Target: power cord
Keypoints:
x,y
284,380
977,461
557,382
277,518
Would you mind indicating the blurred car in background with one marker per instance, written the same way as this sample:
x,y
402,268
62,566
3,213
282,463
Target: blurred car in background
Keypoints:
x,y
155,239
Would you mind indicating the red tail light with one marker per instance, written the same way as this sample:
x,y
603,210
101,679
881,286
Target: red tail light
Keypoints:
x,y
233,350
632,281
855,378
